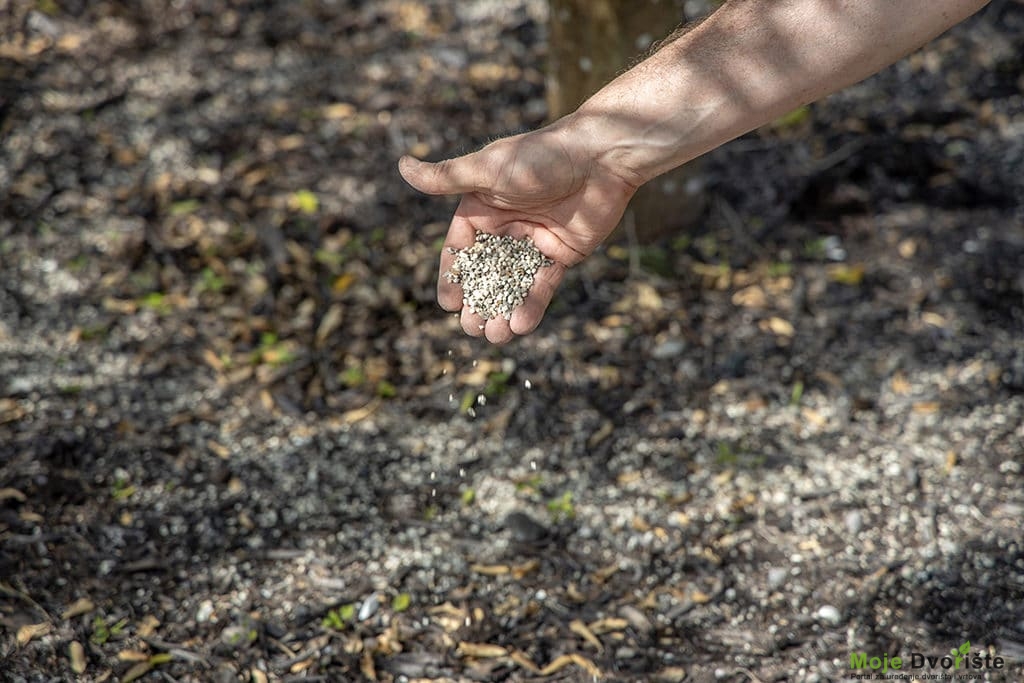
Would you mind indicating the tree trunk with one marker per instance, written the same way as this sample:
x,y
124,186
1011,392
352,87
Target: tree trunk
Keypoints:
x,y
592,41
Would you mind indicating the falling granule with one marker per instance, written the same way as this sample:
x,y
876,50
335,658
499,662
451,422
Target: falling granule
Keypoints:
x,y
533,464
451,398
527,384
433,476
481,400
470,412
475,363
462,472
433,493
496,273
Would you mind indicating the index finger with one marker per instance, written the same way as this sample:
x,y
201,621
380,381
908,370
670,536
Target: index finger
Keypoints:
x,y
460,235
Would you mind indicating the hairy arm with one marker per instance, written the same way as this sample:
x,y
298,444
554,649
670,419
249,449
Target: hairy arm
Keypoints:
x,y
748,63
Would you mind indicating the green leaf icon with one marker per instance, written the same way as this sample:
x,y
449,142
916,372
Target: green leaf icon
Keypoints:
x,y
965,648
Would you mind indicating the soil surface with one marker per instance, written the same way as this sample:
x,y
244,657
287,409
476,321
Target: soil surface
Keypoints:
x,y
240,442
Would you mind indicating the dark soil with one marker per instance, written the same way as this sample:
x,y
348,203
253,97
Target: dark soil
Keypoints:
x,y
237,438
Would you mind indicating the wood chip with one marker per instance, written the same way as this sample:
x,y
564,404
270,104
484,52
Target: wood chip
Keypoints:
x,y
137,672
528,567
29,632
491,569
133,656
580,629
481,650
522,660
78,608
12,494
608,625
778,326
357,414
257,676
329,323
367,666
76,653
604,573
147,626
560,663
750,297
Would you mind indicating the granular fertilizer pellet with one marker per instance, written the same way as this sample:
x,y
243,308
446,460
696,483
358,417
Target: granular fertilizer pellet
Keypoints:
x,y
496,273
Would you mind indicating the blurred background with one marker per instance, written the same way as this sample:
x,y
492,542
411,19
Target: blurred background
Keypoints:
x,y
778,422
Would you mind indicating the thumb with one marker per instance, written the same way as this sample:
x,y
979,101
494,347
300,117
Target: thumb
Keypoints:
x,y
451,176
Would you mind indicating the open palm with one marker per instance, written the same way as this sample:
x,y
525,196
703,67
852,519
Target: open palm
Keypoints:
x,y
545,185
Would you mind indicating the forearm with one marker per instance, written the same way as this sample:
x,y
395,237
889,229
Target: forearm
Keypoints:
x,y
748,63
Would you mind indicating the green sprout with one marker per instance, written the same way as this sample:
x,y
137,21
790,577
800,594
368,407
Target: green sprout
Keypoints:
x,y
340,617
562,506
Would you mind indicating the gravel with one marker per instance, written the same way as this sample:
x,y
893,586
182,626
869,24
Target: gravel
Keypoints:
x,y
496,273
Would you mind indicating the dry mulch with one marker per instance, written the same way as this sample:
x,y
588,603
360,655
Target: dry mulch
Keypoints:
x,y
240,442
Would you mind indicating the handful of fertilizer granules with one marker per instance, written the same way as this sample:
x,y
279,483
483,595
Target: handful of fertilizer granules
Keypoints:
x,y
496,273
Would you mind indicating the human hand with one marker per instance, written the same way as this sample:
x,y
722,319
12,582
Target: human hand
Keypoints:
x,y
547,185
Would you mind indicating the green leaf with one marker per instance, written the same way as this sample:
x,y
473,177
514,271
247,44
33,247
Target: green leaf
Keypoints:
x,y
305,201
401,602
793,118
965,648
386,389
352,376
797,393
184,207
562,506
156,302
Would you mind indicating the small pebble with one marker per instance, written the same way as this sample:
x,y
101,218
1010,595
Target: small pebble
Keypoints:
x,y
496,273
854,521
368,608
776,577
204,612
829,615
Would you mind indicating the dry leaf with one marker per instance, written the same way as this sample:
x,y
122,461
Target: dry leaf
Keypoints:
x,y
647,297
12,494
778,326
600,434
566,660
338,110
29,632
137,672
847,275
147,626
608,625
522,660
78,608
528,567
750,297
357,414
330,322
580,629
367,667
490,569
76,653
